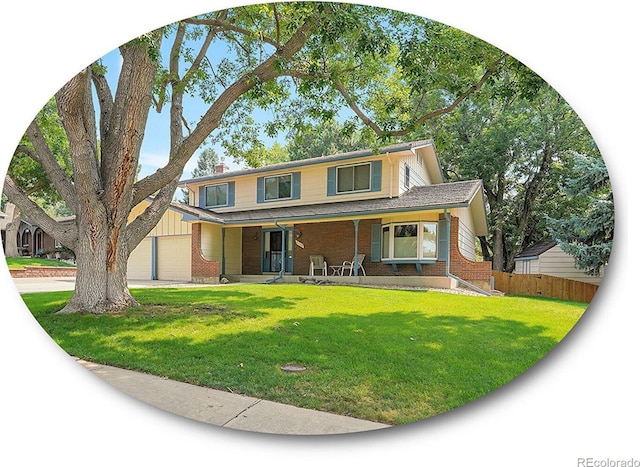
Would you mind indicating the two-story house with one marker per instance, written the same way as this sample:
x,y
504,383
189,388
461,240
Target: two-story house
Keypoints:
x,y
390,205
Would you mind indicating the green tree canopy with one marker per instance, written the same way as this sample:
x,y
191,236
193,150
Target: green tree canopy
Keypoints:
x,y
522,142
588,234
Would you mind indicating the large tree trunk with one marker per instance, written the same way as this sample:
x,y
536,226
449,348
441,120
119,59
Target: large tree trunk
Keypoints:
x,y
101,281
104,179
498,246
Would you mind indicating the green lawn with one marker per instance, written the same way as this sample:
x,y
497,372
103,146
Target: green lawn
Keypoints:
x,y
19,263
384,355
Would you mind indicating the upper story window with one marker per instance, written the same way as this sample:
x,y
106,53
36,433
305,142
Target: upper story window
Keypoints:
x,y
216,195
407,176
352,178
277,187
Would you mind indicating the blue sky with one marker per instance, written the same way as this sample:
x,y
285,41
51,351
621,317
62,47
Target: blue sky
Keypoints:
x,y
155,147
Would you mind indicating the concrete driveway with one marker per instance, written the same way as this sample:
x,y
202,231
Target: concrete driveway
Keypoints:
x,y
52,284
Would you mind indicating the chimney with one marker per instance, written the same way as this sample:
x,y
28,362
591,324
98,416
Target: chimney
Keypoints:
x,y
221,168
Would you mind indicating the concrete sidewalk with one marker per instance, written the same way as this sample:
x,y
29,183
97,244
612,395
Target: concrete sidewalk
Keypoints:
x,y
226,409
206,405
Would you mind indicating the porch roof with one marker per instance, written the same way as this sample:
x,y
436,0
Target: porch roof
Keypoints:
x,y
536,250
422,198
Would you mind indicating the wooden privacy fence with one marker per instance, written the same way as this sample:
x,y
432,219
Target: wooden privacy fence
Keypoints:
x,y
542,285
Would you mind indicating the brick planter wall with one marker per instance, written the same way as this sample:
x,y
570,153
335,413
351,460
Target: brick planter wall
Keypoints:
x,y
202,269
43,271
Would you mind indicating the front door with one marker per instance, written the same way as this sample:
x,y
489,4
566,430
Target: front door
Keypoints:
x,y
272,250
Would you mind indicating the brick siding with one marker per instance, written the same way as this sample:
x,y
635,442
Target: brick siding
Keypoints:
x,y
202,269
472,271
251,250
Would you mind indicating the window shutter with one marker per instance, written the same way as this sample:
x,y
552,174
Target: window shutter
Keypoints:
x,y
376,176
331,181
231,194
295,185
202,194
260,190
443,240
376,244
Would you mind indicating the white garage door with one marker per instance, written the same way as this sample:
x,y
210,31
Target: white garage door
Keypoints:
x,y
174,258
139,265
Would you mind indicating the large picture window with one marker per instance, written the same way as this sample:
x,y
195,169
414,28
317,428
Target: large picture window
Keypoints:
x,y
405,241
278,187
414,240
354,178
216,195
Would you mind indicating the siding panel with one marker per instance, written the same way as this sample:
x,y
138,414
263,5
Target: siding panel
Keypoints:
x,y
174,258
139,264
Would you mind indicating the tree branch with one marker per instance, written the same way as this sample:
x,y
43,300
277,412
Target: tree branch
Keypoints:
x,y
140,227
75,108
225,26
105,99
380,132
67,234
42,155
181,153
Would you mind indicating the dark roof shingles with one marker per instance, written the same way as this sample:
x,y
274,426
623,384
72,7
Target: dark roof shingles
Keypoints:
x,y
537,250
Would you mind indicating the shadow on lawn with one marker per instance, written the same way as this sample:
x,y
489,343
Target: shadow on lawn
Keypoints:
x,y
393,367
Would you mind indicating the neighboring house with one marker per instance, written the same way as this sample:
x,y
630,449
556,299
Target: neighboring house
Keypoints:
x,y
548,258
391,205
31,239
5,219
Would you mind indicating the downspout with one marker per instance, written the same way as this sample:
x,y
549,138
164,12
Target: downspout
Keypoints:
x,y
195,197
447,270
284,259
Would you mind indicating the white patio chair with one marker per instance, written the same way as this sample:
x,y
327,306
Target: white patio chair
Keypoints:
x,y
350,264
317,262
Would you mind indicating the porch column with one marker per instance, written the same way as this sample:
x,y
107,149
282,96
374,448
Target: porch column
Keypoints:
x,y
224,268
154,258
356,223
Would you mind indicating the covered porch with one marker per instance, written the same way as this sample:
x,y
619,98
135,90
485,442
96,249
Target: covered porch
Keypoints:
x,y
429,254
